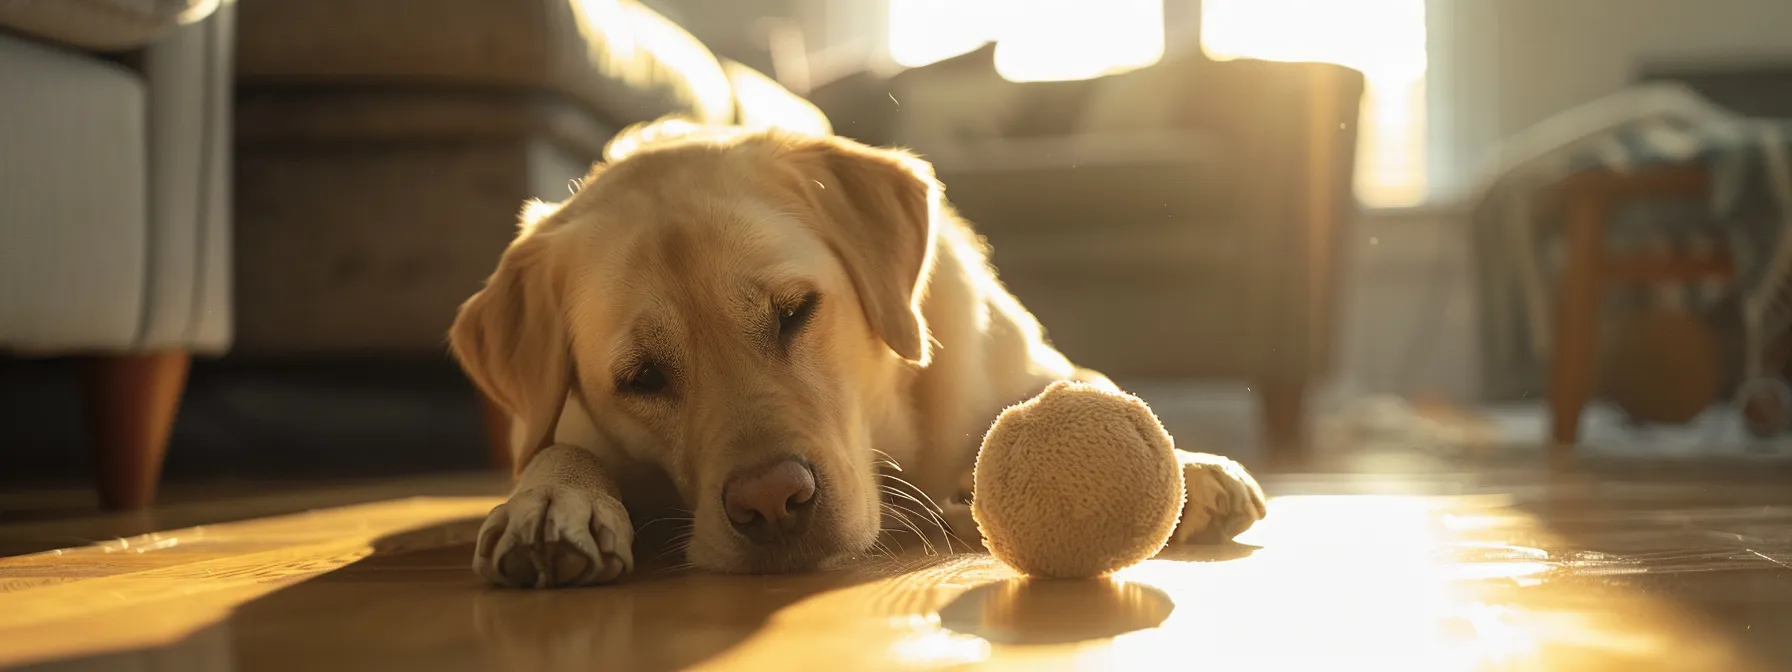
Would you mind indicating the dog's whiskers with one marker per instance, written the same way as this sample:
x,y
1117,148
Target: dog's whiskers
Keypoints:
x,y
882,538
923,493
894,492
887,460
878,549
932,507
902,516
902,521
932,516
931,510
679,541
686,520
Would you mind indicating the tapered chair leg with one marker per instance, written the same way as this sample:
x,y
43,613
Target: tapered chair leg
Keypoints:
x,y
131,404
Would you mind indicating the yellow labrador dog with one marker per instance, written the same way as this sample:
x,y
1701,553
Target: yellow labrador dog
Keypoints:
x,y
747,324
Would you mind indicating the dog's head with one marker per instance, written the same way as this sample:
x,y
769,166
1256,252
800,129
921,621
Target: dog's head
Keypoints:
x,y
736,307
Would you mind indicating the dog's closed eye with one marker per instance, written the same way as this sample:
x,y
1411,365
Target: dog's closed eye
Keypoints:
x,y
794,315
644,378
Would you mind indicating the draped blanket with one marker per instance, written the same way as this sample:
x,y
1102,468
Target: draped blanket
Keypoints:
x,y
1519,247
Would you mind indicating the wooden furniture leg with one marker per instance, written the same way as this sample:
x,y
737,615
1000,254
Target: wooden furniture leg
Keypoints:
x,y
497,434
1282,407
1589,200
131,403
1577,320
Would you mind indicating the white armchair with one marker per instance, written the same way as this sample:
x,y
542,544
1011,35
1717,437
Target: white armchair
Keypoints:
x,y
114,208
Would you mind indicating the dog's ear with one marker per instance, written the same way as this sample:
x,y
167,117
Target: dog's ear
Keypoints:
x,y
511,338
877,209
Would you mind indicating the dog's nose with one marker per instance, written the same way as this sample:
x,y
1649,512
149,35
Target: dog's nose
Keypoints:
x,y
770,504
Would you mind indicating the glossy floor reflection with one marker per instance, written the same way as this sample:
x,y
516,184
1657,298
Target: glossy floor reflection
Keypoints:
x,y
1033,612
1527,574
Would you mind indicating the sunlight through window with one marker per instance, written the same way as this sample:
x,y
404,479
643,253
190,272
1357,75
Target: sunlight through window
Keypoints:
x,y
1044,40
1036,40
1385,39
1080,39
927,31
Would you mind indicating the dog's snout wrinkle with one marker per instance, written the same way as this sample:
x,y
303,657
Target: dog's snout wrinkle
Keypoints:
x,y
771,504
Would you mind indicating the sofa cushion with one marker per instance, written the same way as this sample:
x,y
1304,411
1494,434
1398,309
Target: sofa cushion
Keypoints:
x,y
104,25
618,58
73,218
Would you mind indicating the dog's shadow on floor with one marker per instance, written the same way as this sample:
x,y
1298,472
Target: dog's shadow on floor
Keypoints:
x,y
414,603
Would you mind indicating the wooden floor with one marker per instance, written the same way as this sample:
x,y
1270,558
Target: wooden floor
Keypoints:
x,y
1511,571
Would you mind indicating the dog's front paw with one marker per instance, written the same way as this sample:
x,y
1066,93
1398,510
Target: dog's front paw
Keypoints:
x,y
1223,500
552,537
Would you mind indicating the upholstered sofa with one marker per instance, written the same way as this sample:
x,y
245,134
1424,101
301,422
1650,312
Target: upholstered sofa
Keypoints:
x,y
385,148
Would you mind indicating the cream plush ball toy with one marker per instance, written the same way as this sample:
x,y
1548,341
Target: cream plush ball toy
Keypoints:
x,y
1079,481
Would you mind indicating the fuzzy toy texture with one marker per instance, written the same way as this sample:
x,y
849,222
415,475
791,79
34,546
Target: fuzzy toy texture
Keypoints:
x,y
1079,481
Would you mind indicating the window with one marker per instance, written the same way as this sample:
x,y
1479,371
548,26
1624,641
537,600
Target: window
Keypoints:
x,y
1111,36
1384,39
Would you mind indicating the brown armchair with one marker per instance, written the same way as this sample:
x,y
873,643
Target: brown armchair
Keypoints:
x,y
1175,222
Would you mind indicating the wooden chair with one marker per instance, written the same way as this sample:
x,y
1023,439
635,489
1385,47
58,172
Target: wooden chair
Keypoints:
x,y
1590,199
